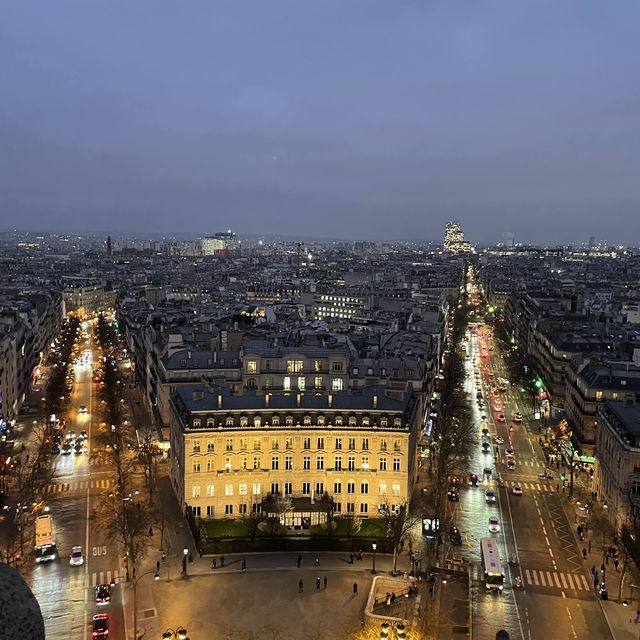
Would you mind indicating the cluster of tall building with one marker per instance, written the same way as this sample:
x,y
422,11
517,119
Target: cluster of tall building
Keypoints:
x,y
454,241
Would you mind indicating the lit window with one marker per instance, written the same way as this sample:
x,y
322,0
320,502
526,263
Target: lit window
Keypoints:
x,y
252,366
336,384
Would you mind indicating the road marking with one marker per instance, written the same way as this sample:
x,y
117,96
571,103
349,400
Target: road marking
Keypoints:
x,y
544,584
564,582
557,580
549,578
570,580
528,575
586,584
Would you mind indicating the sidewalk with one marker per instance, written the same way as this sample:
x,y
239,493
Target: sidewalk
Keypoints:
x,y
620,618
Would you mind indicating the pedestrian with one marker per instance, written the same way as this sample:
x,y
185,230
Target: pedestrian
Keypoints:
x,y
317,561
213,563
638,615
593,570
558,488
616,563
602,568
221,561
584,552
157,566
351,558
299,560
300,586
191,558
589,545
325,582
164,557
318,583
401,544
355,588
244,564
150,531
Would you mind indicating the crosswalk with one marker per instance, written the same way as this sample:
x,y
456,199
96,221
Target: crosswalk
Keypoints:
x,y
63,487
556,580
538,486
104,577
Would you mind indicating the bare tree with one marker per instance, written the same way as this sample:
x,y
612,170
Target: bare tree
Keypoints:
x,y
253,518
147,441
275,506
399,522
329,507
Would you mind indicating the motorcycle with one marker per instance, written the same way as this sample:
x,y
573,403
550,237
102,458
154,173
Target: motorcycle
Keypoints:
x,y
518,582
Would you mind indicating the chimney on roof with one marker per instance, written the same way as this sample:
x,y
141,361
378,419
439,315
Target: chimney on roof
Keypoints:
x,y
375,400
219,401
330,400
266,399
298,398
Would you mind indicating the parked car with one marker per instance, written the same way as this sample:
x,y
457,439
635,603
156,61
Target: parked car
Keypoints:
x,y
455,536
77,558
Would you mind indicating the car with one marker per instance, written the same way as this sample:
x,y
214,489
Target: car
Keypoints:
x,y
487,472
485,431
498,439
516,489
480,404
78,447
485,447
77,559
511,464
55,448
83,408
494,524
510,452
100,625
455,536
71,435
489,496
103,594
517,417
66,448
473,479
453,494
83,435
501,417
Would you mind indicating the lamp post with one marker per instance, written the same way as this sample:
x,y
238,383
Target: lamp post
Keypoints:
x,y
156,576
185,553
387,628
180,633
374,546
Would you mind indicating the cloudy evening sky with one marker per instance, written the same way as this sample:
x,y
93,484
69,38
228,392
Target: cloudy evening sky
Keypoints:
x,y
354,119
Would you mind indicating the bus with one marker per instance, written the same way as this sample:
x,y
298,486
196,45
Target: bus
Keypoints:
x,y
493,576
45,544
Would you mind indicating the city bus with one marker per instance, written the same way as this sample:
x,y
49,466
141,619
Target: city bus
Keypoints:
x,y
493,576
45,544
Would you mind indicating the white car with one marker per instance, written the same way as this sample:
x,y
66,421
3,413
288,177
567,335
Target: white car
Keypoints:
x,y
489,496
77,559
517,417
511,464
516,489
498,439
494,524
83,408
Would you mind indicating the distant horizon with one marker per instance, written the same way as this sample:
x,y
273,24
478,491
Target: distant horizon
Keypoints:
x,y
188,236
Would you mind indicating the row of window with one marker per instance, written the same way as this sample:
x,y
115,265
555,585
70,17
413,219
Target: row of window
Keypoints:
x,y
296,366
288,490
243,509
350,444
337,384
307,420
306,464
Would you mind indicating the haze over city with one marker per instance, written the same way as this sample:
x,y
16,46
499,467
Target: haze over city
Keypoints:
x,y
337,119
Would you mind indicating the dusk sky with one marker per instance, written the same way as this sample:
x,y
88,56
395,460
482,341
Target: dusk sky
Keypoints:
x,y
375,120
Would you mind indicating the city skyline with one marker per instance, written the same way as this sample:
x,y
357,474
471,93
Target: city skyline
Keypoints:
x,y
380,124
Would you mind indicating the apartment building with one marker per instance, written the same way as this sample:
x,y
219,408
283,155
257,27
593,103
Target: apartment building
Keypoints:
x,y
230,452
617,471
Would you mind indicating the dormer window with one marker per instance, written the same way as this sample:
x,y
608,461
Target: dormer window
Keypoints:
x,y
196,422
307,420
244,421
383,422
352,421
289,420
275,421
211,422
321,421
365,421
256,421
229,422
397,422
339,421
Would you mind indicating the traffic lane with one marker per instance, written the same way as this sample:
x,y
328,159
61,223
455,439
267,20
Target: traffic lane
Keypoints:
x,y
532,532
59,587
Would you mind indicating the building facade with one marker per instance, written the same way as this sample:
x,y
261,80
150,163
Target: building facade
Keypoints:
x,y
229,453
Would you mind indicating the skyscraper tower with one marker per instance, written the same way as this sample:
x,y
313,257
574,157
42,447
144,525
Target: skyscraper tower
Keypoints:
x,y
454,239
109,245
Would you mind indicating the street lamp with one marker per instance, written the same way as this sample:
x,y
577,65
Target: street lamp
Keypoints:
x,y
156,577
180,633
185,553
374,546
386,629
